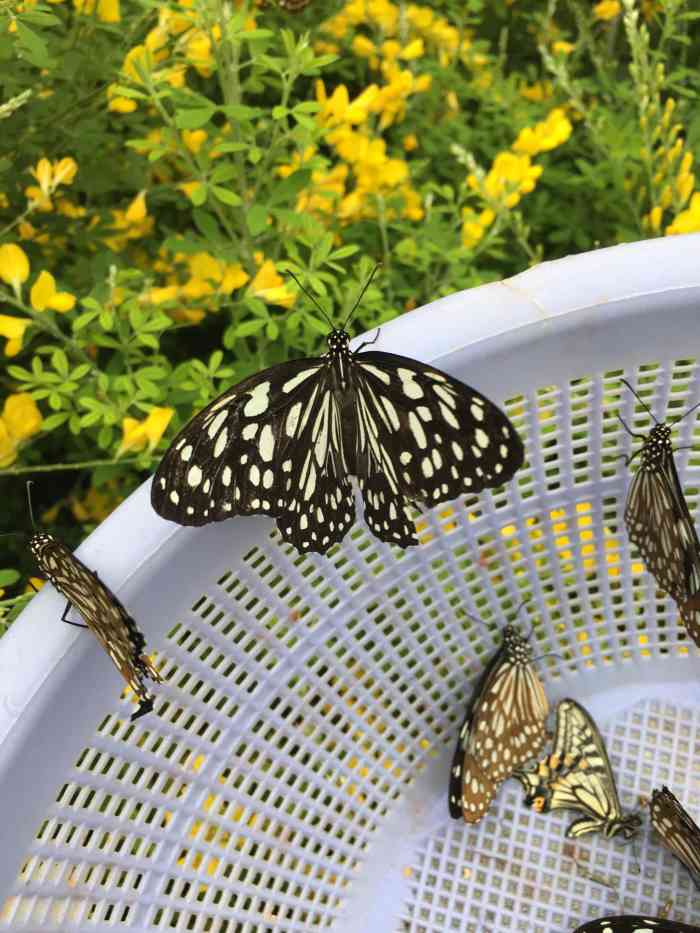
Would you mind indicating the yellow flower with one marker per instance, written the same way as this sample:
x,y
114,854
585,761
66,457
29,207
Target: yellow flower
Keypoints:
x,y
410,142
363,47
107,10
510,177
688,221
21,415
234,277
563,48
269,285
607,9
138,434
117,104
43,295
14,266
136,211
12,328
549,134
166,293
415,49
194,139
8,448
189,187
540,90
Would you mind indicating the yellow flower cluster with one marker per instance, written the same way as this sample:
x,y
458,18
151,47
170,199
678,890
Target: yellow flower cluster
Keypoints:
x,y
43,296
20,420
607,9
196,281
512,174
130,224
673,181
175,44
49,176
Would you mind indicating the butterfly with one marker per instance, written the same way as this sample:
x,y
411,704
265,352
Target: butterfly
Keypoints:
x,y
285,442
502,729
635,924
659,524
104,614
577,776
679,832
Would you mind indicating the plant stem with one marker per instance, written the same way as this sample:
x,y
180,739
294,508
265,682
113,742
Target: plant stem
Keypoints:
x,y
82,465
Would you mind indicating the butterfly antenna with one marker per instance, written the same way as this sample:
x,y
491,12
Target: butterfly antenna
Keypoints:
x,y
362,295
29,502
685,414
640,400
311,299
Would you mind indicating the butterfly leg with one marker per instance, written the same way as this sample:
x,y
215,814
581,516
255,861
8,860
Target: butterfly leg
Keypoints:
x,y
64,618
145,706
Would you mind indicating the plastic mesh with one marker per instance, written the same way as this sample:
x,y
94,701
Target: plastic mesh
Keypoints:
x,y
306,699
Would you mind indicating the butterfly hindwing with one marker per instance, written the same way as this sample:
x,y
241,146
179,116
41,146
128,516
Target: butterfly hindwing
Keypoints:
x,y
679,832
104,614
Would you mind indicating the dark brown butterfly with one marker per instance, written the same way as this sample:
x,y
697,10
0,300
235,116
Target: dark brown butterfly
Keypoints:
x,y
679,832
502,729
659,523
104,614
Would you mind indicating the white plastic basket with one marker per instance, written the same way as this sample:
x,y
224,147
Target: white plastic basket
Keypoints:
x,y
293,776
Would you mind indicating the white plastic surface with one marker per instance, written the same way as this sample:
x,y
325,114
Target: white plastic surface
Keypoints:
x,y
293,776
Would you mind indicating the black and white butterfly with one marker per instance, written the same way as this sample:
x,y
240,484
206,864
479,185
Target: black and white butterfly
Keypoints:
x,y
678,830
502,729
104,614
659,523
635,924
577,776
286,441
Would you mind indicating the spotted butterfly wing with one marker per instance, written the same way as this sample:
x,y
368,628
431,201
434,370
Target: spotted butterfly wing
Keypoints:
x,y
503,728
104,614
659,524
679,832
635,924
578,776
286,441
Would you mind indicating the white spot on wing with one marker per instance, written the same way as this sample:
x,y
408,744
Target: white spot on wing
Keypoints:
x,y
221,442
194,477
258,401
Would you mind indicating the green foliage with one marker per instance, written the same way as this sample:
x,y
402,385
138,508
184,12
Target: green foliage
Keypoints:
x,y
210,162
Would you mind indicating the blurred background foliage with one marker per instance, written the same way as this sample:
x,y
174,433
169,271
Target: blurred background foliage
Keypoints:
x,y
163,166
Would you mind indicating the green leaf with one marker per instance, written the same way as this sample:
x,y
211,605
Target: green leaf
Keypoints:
x,y
256,219
59,361
241,113
287,190
225,195
247,328
33,46
40,18
80,371
198,195
8,577
193,118
223,172
230,147
19,373
54,421
307,122
208,226
121,90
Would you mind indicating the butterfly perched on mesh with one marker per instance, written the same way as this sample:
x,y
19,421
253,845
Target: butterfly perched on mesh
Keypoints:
x,y
659,523
502,729
679,832
635,924
286,441
577,776
104,614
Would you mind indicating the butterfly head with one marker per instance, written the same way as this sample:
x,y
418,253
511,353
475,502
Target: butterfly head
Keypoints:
x,y
629,826
39,542
658,444
515,645
338,344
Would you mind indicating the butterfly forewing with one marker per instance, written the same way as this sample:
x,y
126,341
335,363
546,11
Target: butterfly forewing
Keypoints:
x,y
577,776
503,728
679,832
635,924
102,611
286,441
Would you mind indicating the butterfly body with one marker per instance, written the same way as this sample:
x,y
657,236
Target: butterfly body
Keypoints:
x,y
502,729
104,614
577,776
635,924
679,832
286,441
